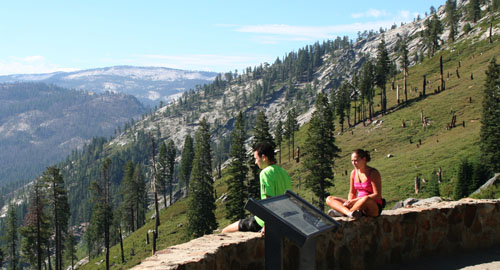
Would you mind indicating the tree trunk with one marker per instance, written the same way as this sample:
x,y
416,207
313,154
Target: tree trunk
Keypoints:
x,y
121,243
137,217
132,219
371,111
384,100
280,153
154,242
424,84
38,237
170,188
56,226
441,72
165,200
48,255
157,210
355,113
288,143
106,243
405,89
491,37
397,93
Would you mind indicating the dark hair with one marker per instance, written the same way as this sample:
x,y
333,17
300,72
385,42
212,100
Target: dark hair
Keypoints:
x,y
363,154
265,148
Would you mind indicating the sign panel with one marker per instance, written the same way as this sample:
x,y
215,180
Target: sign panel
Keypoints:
x,y
291,216
303,217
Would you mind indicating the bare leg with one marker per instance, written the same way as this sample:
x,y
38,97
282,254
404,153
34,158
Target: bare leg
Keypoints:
x,y
231,227
337,203
367,205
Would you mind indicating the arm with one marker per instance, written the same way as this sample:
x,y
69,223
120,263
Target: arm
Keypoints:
x,y
351,197
352,191
376,184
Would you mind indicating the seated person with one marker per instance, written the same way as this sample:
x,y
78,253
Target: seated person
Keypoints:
x,y
365,192
274,181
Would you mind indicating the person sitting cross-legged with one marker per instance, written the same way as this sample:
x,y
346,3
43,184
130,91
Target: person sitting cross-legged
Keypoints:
x,y
365,192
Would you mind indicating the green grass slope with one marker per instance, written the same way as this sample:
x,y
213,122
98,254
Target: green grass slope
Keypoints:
x,y
439,147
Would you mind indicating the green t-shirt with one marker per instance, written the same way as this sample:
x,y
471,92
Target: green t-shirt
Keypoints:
x,y
274,181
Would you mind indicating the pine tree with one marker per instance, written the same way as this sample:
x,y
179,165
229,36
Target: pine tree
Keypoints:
x,y
474,10
102,214
261,133
201,210
291,125
433,28
464,179
186,161
11,238
155,190
404,61
171,153
490,124
278,136
381,73
71,249
496,5
366,85
342,103
452,18
141,197
36,230
237,171
480,175
321,150
433,186
129,195
58,202
161,173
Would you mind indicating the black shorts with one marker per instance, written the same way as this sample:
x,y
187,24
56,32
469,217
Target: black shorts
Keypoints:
x,y
379,209
249,224
381,206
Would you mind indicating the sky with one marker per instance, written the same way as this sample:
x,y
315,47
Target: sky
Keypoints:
x,y
221,36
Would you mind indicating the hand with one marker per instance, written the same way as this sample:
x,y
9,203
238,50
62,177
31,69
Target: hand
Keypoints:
x,y
349,203
263,231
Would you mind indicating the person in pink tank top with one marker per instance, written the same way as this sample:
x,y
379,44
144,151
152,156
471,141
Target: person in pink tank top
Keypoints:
x,y
365,192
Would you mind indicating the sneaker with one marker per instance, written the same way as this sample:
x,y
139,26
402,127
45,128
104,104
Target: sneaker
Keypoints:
x,y
356,214
335,213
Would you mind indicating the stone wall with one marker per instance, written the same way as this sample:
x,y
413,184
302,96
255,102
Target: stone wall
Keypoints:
x,y
397,235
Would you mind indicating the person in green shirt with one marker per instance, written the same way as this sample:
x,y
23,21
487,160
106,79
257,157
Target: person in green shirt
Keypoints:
x,y
274,181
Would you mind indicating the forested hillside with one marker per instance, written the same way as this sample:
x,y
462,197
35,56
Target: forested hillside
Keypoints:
x,y
411,94
41,124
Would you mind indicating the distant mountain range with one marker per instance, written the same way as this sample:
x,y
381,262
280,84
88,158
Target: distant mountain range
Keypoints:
x,y
149,85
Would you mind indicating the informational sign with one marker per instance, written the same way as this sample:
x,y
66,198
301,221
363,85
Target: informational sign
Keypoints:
x,y
293,211
290,216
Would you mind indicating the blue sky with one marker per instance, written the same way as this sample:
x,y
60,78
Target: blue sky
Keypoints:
x,y
47,36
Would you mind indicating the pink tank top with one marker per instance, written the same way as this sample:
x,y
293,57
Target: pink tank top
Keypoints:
x,y
364,188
